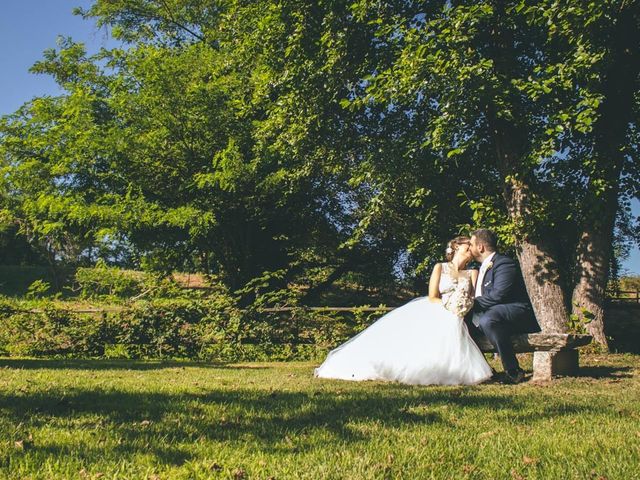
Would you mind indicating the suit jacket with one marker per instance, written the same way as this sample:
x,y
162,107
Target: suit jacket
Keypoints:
x,y
502,284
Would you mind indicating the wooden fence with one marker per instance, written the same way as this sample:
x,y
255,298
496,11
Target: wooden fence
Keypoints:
x,y
626,296
98,311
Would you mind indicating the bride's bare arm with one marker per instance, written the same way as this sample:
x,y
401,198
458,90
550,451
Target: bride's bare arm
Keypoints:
x,y
474,279
434,283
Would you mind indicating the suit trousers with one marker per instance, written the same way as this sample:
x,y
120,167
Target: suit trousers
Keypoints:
x,y
500,322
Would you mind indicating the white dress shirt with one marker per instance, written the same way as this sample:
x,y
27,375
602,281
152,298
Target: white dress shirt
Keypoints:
x,y
483,270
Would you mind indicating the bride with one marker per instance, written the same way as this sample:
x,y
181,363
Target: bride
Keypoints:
x,y
425,341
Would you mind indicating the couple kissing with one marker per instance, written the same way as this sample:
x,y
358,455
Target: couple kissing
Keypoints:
x,y
429,341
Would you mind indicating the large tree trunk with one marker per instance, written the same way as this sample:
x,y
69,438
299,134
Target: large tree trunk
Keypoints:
x,y
620,84
541,277
539,267
588,297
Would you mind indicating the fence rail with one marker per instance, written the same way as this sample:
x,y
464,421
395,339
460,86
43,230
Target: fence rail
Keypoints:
x,y
266,310
627,296
327,309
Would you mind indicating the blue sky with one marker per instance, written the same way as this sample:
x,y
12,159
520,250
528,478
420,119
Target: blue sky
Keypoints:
x,y
28,27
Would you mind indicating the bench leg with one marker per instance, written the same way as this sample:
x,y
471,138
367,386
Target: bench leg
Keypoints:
x,y
547,365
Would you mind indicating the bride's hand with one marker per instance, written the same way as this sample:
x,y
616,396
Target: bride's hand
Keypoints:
x,y
435,299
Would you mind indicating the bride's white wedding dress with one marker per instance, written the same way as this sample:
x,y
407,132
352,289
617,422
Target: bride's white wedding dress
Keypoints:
x,y
421,342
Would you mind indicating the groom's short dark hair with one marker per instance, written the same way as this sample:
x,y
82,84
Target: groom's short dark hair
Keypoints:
x,y
486,237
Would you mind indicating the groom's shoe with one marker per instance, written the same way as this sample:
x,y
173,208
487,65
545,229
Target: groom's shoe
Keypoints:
x,y
514,376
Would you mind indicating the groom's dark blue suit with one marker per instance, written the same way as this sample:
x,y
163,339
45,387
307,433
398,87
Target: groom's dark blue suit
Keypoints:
x,y
504,308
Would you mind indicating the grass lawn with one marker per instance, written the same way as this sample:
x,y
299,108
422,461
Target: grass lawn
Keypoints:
x,y
165,420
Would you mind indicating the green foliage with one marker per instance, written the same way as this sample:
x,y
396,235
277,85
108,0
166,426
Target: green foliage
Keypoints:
x,y
629,283
577,323
8,307
205,329
159,331
198,149
104,281
38,289
54,332
278,144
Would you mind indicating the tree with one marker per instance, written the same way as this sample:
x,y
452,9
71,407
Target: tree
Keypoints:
x,y
519,88
195,146
300,142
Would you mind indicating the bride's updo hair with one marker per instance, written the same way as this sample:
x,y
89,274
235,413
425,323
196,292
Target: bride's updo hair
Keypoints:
x,y
451,246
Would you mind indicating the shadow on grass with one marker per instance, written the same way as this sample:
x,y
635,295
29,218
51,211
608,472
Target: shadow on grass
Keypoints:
x,y
605,372
623,326
99,364
169,425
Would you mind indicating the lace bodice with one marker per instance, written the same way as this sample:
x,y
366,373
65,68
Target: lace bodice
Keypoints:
x,y
456,289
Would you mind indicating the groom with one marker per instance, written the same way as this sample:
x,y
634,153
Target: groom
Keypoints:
x,y
502,307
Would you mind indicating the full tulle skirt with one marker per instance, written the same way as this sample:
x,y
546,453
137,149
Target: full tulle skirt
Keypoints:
x,y
419,343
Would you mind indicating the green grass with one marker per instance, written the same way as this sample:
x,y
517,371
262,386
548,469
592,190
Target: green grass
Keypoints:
x,y
174,420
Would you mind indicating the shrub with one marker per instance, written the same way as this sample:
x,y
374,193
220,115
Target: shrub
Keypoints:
x,y
102,280
213,329
8,307
52,332
160,330
38,289
112,283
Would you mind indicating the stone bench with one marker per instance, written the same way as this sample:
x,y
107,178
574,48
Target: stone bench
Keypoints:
x,y
553,353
